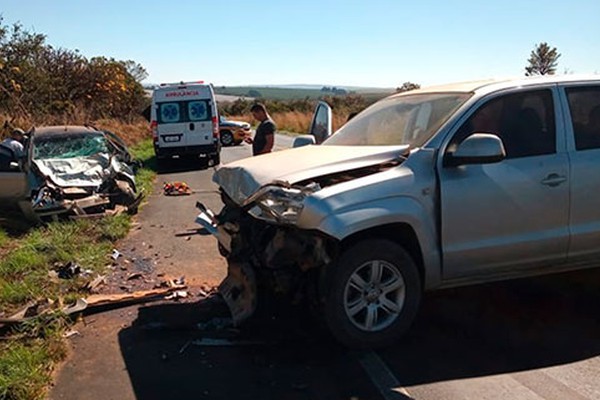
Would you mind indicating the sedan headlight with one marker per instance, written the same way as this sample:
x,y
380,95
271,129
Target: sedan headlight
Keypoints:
x,y
279,204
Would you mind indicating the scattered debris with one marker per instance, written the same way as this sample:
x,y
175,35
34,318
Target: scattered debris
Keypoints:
x,y
115,254
130,298
188,238
69,270
134,275
80,305
70,333
185,346
176,189
179,281
179,294
100,279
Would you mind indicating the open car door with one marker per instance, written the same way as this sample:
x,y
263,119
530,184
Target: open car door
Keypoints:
x,y
13,181
320,127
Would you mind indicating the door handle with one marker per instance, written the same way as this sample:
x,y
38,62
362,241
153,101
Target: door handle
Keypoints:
x,y
553,180
192,126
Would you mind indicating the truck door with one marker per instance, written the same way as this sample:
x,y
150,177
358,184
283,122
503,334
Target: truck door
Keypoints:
x,y
512,214
584,151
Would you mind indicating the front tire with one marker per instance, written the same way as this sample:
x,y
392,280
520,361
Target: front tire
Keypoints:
x,y
374,294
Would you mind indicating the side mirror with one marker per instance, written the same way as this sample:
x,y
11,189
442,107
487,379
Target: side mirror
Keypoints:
x,y
479,148
303,140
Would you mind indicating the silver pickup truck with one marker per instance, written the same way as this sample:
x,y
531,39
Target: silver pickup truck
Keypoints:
x,y
433,188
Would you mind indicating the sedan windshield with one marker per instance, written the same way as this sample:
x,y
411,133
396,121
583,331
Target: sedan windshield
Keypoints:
x,y
68,146
411,119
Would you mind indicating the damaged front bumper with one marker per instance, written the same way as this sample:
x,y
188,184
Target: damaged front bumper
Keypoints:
x,y
53,201
264,256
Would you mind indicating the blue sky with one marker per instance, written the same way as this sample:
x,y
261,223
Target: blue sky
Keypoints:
x,y
358,43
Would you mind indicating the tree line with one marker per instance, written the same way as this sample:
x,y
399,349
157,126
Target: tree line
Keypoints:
x,y
38,80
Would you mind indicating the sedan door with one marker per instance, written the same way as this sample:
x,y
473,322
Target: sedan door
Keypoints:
x,y
502,218
13,182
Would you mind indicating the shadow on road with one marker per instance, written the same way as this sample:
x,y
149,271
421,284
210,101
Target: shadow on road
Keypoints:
x,y
499,328
184,164
286,354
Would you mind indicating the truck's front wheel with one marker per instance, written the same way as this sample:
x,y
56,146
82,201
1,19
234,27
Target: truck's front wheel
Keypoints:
x,y
374,294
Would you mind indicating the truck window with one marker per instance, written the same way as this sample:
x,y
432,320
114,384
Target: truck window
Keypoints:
x,y
524,122
584,104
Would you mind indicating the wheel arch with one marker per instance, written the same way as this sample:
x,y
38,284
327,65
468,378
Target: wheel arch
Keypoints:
x,y
400,233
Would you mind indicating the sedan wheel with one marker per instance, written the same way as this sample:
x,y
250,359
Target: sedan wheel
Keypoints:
x,y
226,138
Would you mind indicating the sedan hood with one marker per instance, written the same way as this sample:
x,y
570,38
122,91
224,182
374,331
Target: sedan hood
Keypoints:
x,y
91,171
242,178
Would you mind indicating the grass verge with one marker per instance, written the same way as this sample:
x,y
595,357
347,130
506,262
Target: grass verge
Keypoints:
x,y
29,353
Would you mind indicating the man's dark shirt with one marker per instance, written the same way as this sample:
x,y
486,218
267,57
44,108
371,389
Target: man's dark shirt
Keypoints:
x,y
266,127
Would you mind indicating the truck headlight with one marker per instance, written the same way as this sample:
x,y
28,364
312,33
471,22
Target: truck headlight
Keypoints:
x,y
279,204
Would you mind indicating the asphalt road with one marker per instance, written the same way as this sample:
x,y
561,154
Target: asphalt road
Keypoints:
x,y
525,339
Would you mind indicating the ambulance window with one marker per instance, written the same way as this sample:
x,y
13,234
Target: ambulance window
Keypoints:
x,y
198,111
169,112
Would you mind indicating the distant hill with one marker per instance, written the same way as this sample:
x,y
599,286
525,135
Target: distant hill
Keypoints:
x,y
292,92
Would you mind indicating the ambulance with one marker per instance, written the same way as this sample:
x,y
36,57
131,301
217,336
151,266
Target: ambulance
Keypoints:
x,y
185,123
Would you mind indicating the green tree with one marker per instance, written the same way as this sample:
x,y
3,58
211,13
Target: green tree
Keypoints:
x,y
542,60
406,86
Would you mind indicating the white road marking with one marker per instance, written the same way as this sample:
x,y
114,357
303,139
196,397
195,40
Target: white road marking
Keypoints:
x,y
382,377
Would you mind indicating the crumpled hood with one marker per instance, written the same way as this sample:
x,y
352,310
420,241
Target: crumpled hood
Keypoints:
x,y
242,178
89,171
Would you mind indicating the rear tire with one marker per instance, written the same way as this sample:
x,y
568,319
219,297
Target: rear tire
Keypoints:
x,y
373,295
226,138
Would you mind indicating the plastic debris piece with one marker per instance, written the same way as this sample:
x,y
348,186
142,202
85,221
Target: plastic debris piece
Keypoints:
x,y
115,254
70,333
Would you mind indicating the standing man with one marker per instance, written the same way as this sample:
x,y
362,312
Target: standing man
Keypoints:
x,y
15,142
265,133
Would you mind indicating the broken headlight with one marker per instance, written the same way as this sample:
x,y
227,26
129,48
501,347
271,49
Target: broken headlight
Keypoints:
x,y
279,204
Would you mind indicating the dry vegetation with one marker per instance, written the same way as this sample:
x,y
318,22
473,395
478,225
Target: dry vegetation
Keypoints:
x,y
293,121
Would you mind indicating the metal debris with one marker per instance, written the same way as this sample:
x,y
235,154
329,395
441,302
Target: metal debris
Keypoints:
x,y
115,254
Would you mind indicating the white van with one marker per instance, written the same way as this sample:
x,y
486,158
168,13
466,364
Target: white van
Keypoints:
x,y
184,122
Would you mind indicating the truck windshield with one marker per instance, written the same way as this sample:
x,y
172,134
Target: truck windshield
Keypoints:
x,y
411,119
